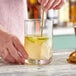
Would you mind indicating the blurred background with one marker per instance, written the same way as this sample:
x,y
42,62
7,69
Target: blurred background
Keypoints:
x,y
64,22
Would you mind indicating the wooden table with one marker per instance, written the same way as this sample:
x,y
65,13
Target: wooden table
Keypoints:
x,y
58,67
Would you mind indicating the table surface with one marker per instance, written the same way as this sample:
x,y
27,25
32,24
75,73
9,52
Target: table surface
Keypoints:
x,y
58,67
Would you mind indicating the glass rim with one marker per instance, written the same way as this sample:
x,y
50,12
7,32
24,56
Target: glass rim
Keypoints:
x,y
37,19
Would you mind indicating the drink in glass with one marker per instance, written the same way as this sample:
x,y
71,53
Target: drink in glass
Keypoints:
x,y
39,48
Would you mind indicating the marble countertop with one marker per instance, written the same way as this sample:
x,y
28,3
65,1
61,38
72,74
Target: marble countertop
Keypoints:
x,y
58,67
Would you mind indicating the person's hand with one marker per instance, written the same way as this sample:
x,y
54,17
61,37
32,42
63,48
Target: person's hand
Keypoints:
x,y
51,4
11,50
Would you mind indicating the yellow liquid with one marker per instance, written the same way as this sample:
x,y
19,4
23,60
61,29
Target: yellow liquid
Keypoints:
x,y
38,47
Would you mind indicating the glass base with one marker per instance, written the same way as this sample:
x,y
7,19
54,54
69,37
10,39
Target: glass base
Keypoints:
x,y
38,62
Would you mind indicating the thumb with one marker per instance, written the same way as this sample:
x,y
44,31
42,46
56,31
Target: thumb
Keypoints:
x,y
39,1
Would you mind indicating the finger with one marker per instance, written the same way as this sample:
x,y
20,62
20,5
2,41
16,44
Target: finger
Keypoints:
x,y
49,4
53,4
9,58
44,2
19,47
39,1
15,55
57,6
4,53
6,56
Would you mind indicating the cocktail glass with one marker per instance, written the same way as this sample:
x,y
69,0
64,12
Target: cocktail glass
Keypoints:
x,y
39,47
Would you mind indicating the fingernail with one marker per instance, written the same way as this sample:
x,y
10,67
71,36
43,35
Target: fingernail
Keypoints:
x,y
23,61
26,56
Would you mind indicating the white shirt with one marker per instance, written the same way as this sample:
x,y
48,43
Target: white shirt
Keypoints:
x,y
12,16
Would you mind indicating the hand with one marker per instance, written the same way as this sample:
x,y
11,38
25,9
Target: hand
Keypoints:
x,y
51,4
11,50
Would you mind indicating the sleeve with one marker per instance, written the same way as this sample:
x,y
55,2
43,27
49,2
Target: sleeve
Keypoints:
x,y
25,7
4,14
12,16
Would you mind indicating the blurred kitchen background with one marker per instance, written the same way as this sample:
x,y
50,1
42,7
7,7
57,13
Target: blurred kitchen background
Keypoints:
x,y
64,22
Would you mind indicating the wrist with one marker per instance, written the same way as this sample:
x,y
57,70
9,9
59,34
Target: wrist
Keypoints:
x,y
4,35
2,28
